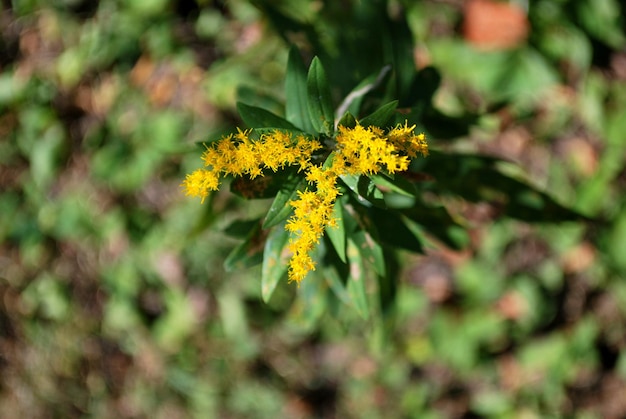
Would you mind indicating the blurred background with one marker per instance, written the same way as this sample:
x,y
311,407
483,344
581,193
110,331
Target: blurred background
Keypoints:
x,y
114,301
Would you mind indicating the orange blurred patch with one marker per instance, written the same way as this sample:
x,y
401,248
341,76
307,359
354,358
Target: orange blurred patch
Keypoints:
x,y
493,25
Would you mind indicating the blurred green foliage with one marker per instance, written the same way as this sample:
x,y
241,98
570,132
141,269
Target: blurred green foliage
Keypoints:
x,y
114,300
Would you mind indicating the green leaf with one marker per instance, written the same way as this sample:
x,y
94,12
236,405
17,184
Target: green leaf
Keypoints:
x,y
356,281
425,84
396,184
296,106
393,231
438,222
368,244
364,190
318,95
347,120
388,283
256,117
249,253
240,229
312,300
381,116
275,261
337,234
266,186
333,277
352,102
477,179
368,190
281,207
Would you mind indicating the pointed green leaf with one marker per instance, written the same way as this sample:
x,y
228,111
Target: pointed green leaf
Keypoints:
x,y
356,281
337,234
368,190
347,120
275,260
240,229
249,253
438,223
296,106
370,248
281,207
319,99
352,182
393,231
311,303
352,102
396,184
388,283
255,117
381,116
336,284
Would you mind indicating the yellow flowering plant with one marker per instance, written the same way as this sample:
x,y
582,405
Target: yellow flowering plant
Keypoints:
x,y
347,192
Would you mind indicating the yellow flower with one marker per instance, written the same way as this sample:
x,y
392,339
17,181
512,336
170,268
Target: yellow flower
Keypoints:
x,y
358,151
200,182
238,155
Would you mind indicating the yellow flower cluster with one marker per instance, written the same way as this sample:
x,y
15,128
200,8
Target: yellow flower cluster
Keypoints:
x,y
369,150
238,155
312,213
358,151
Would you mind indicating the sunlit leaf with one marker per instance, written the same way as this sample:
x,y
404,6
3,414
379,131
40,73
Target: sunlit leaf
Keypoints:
x,y
368,190
337,234
296,106
275,260
320,106
370,248
396,184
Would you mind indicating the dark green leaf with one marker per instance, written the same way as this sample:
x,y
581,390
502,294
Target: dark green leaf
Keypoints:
x,y
281,207
445,127
437,222
275,260
296,107
477,179
393,231
318,94
368,190
252,96
352,102
424,85
396,184
347,120
388,283
398,49
260,118
240,228
381,116
249,253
